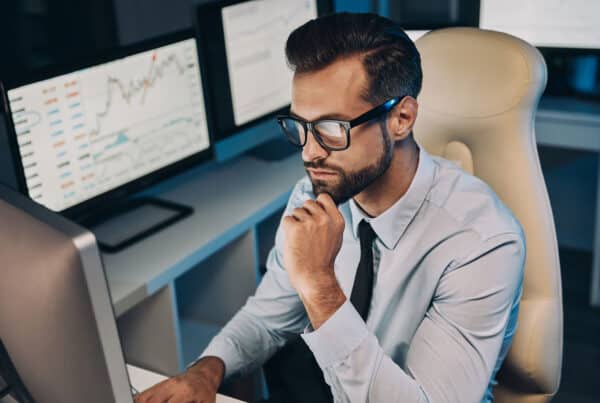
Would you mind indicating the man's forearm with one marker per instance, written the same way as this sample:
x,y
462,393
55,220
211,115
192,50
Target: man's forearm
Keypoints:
x,y
322,298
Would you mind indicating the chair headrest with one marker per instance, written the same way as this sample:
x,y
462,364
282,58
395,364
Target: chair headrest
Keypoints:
x,y
511,72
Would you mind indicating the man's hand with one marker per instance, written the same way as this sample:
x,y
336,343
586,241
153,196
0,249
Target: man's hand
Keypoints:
x,y
198,384
313,238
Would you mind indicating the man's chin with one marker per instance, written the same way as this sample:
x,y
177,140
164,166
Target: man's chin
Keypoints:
x,y
320,187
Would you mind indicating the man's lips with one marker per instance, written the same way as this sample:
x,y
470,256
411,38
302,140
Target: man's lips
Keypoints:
x,y
321,173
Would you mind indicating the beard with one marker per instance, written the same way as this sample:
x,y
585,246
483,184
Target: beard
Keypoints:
x,y
350,184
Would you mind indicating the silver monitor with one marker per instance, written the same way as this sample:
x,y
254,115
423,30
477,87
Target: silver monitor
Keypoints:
x,y
56,318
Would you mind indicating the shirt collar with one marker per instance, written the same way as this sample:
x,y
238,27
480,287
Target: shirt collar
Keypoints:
x,y
391,224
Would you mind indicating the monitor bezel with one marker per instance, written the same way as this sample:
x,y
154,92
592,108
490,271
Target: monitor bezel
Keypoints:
x,y
208,24
79,211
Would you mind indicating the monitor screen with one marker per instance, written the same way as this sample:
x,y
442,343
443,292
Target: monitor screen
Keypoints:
x,y
255,36
545,23
88,131
244,43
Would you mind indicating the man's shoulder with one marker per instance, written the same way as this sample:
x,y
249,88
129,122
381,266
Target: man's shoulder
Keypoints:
x,y
470,202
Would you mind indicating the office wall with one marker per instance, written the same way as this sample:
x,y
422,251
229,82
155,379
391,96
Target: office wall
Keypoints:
x,y
356,6
141,19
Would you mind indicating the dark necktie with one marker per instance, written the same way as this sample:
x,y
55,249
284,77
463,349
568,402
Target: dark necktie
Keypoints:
x,y
362,290
292,373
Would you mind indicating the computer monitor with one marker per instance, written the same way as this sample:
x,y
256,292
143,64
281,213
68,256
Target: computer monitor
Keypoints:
x,y
244,45
545,23
566,32
57,327
87,135
418,17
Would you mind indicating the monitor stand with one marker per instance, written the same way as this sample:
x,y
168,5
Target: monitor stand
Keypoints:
x,y
125,224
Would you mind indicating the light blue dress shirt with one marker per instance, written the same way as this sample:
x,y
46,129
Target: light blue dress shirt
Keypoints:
x,y
449,259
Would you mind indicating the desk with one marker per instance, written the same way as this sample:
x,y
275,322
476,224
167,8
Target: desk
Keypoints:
x,y
569,123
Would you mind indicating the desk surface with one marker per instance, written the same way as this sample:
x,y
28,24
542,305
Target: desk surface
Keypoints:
x,y
228,201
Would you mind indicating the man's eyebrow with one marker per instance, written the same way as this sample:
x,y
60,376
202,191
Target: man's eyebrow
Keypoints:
x,y
335,116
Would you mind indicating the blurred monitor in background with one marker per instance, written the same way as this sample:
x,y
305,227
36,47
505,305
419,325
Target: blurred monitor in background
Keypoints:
x,y
418,17
567,32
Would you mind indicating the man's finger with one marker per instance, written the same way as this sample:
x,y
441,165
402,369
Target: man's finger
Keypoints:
x,y
145,397
314,207
289,220
158,393
181,399
325,200
301,214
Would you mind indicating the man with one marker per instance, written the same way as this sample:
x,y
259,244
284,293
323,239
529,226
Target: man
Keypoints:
x,y
400,272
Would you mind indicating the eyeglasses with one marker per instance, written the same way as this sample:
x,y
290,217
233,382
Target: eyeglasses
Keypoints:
x,y
331,134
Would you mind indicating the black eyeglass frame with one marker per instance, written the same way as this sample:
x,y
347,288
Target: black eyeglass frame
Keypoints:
x,y
309,127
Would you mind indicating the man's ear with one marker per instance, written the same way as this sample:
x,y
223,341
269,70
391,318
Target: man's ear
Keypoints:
x,y
401,118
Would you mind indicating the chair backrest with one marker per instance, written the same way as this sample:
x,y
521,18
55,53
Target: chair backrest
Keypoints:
x,y
477,107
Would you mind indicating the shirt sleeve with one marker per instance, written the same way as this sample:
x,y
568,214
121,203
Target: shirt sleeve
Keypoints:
x,y
268,319
454,350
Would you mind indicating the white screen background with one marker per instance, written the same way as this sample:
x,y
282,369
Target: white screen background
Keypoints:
x,y
255,35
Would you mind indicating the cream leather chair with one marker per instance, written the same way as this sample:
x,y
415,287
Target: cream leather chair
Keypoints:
x,y
477,107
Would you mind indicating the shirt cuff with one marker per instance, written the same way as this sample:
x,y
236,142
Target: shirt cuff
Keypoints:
x,y
341,334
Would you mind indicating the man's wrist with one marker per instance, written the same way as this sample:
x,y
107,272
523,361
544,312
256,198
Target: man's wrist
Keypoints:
x,y
211,367
322,299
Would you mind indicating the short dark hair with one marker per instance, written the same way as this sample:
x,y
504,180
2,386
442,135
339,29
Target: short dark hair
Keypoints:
x,y
390,58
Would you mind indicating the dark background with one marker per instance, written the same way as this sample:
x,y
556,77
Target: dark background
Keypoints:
x,y
37,34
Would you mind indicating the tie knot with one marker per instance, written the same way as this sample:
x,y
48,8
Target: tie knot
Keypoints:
x,y
365,232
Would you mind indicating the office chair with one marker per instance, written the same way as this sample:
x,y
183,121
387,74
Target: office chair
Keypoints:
x,y
477,108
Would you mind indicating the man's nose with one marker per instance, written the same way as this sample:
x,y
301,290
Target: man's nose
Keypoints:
x,y
312,150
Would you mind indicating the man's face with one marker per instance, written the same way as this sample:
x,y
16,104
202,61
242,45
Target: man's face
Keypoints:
x,y
335,92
